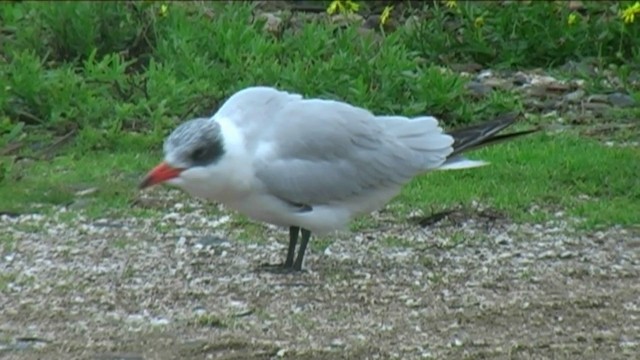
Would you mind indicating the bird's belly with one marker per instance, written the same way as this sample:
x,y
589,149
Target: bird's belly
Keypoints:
x,y
266,208
261,208
321,219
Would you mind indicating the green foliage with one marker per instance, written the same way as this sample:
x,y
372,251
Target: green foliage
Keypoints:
x,y
67,31
109,67
524,34
69,65
81,74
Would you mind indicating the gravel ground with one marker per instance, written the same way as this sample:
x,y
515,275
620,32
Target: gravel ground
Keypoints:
x,y
187,286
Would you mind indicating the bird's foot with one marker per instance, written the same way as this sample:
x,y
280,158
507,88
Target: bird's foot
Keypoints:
x,y
279,269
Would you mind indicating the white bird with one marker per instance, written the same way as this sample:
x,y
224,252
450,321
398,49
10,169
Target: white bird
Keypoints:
x,y
309,164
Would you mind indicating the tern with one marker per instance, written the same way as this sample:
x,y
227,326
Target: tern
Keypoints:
x,y
311,165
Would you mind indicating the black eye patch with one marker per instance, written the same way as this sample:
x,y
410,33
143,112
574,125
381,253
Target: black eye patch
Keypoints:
x,y
205,155
199,155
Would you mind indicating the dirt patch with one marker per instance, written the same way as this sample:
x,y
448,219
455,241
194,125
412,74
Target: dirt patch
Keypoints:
x,y
151,288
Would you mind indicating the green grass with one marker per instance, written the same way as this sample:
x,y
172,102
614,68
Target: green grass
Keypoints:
x,y
321,244
526,35
394,241
248,230
56,182
558,172
6,279
210,320
116,78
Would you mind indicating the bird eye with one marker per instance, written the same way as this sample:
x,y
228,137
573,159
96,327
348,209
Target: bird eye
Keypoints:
x,y
198,154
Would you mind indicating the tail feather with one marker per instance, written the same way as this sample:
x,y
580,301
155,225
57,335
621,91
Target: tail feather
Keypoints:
x,y
460,162
478,136
500,138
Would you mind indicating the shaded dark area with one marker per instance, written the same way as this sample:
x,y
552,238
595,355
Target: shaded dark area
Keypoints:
x,y
459,215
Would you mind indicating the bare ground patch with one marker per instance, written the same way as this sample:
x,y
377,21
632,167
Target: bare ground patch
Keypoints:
x,y
134,288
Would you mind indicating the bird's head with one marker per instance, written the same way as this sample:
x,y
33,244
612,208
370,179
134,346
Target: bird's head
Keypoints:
x,y
190,152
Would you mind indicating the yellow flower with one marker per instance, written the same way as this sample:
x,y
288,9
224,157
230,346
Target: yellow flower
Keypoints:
x,y
572,19
478,22
451,4
163,10
386,14
343,6
628,15
333,7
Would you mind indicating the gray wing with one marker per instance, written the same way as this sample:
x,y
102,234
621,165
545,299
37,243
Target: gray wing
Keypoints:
x,y
320,151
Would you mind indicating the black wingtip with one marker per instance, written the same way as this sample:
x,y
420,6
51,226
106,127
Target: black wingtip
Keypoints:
x,y
480,135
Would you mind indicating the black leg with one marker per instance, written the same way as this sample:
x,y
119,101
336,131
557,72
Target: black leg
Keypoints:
x,y
306,234
293,240
287,266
